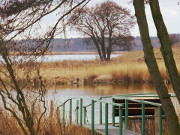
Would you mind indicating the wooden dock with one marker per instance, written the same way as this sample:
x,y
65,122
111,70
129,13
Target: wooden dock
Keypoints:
x,y
111,130
127,106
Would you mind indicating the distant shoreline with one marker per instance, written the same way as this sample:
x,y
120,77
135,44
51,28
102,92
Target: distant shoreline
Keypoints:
x,y
68,53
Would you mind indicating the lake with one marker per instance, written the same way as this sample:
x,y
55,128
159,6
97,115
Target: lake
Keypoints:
x,y
61,94
49,58
52,58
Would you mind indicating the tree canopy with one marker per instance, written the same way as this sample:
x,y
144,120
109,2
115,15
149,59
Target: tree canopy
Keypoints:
x,y
107,24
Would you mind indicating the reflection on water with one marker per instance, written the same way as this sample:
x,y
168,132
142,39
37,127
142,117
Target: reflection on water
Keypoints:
x,y
101,90
52,58
60,94
49,58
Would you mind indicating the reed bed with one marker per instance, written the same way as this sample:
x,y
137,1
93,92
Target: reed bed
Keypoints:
x,y
129,67
102,72
51,124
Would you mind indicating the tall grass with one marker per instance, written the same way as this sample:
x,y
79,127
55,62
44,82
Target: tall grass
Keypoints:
x,y
129,67
51,124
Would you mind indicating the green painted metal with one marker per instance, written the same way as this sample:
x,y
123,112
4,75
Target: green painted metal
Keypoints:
x,y
126,114
113,113
64,113
92,117
138,95
125,97
143,119
138,101
84,115
100,117
70,111
101,101
106,119
77,112
120,120
160,120
81,111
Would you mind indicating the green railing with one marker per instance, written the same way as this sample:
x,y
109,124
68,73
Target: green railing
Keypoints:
x,y
143,112
80,109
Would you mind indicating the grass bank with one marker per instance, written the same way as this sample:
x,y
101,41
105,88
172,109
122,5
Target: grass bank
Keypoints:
x,y
51,124
129,67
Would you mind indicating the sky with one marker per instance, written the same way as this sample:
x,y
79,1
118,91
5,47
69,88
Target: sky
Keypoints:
x,y
169,8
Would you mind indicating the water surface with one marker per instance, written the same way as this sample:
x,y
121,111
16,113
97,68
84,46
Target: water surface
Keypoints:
x,y
61,94
52,58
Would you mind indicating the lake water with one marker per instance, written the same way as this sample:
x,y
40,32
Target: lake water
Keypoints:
x,y
52,58
49,58
61,94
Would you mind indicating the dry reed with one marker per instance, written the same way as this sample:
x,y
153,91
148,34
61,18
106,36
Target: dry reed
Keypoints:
x,y
129,67
51,124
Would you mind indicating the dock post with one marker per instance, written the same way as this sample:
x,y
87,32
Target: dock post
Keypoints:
x,y
113,113
100,118
106,119
92,117
143,119
77,112
81,109
126,114
120,120
70,112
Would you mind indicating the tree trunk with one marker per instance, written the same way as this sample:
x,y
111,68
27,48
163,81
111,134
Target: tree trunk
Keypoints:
x,y
109,50
166,47
172,119
97,47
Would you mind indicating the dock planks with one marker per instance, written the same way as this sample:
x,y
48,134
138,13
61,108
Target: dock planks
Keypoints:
x,y
111,130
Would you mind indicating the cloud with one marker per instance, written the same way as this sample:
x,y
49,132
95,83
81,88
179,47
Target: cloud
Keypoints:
x,y
170,12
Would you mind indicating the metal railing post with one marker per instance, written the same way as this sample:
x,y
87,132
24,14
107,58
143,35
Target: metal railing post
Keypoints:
x,y
143,119
120,120
64,113
70,112
113,113
126,114
160,120
106,119
84,115
92,117
81,109
100,118
77,112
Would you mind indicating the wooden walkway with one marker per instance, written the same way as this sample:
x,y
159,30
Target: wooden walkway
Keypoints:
x,y
111,130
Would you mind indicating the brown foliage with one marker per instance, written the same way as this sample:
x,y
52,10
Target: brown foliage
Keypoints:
x,y
174,38
107,24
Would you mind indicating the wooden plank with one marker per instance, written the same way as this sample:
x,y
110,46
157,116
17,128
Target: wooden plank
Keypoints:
x,y
135,108
150,100
134,112
135,105
111,130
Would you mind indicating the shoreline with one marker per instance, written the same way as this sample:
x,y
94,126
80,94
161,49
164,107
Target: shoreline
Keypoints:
x,y
126,68
67,53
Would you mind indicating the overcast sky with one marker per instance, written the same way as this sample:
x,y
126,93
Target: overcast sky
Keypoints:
x,y
170,11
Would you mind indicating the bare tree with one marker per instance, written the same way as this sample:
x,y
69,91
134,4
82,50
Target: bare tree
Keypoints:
x,y
174,38
19,19
107,24
171,116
